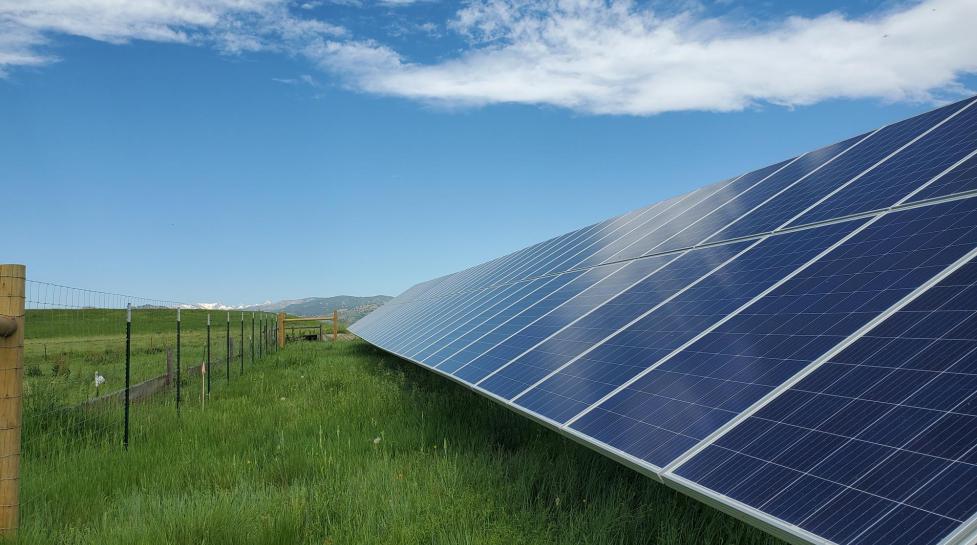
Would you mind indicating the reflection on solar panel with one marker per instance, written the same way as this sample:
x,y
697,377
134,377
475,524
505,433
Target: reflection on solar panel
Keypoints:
x,y
796,346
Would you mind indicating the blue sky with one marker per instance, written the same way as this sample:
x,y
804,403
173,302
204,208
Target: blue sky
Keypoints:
x,y
247,150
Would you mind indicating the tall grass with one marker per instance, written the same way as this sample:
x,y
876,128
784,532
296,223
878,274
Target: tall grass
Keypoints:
x,y
342,444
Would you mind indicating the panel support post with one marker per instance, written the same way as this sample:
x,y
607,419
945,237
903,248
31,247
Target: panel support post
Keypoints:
x,y
281,330
12,280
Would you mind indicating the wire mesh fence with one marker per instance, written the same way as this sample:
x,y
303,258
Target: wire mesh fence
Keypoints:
x,y
99,367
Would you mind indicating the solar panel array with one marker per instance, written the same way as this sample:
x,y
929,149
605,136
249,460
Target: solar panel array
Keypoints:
x,y
796,345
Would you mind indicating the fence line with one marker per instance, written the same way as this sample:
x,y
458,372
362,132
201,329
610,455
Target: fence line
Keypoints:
x,y
97,367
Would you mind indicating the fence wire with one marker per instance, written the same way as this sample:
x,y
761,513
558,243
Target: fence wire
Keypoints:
x,y
75,360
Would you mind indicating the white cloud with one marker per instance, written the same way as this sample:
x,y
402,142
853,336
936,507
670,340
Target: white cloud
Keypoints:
x,y
594,56
232,26
614,57
305,79
18,47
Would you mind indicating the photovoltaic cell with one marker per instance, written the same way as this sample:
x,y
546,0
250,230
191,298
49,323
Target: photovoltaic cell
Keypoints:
x,y
879,444
458,314
498,314
691,205
483,313
719,376
833,175
961,179
910,169
649,223
522,317
692,226
797,344
624,353
643,283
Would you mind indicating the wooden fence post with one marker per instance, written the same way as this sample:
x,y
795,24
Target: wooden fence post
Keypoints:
x,y
12,280
169,367
281,330
335,325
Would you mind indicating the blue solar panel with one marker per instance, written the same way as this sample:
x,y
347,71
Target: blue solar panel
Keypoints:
x,y
711,381
551,314
693,226
575,339
450,335
960,179
423,349
670,209
575,310
560,255
541,259
496,271
910,169
888,425
630,351
845,167
454,312
587,247
740,371
519,319
495,315
563,252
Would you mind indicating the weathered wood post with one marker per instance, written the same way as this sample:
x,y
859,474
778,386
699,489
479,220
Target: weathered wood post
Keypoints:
x,y
281,330
335,325
169,367
12,280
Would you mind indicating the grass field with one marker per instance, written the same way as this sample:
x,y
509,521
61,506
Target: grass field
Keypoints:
x,y
343,444
65,348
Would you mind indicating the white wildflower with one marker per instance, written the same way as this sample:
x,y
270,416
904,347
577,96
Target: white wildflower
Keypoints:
x,y
99,379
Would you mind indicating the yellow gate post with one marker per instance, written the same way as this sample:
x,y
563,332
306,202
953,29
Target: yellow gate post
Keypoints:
x,y
12,279
281,330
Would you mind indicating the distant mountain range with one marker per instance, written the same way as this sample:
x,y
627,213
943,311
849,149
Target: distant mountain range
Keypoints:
x,y
350,307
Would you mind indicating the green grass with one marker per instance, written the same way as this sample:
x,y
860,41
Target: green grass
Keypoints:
x,y
343,444
65,348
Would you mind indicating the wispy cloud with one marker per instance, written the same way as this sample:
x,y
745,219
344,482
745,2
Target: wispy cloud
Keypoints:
x,y
617,58
304,79
593,56
231,26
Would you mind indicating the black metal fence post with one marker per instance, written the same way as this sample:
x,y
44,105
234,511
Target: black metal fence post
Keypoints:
x,y
125,434
227,366
178,360
208,354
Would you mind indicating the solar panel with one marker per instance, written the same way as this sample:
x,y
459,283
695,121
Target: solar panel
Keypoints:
x,y
796,346
889,423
